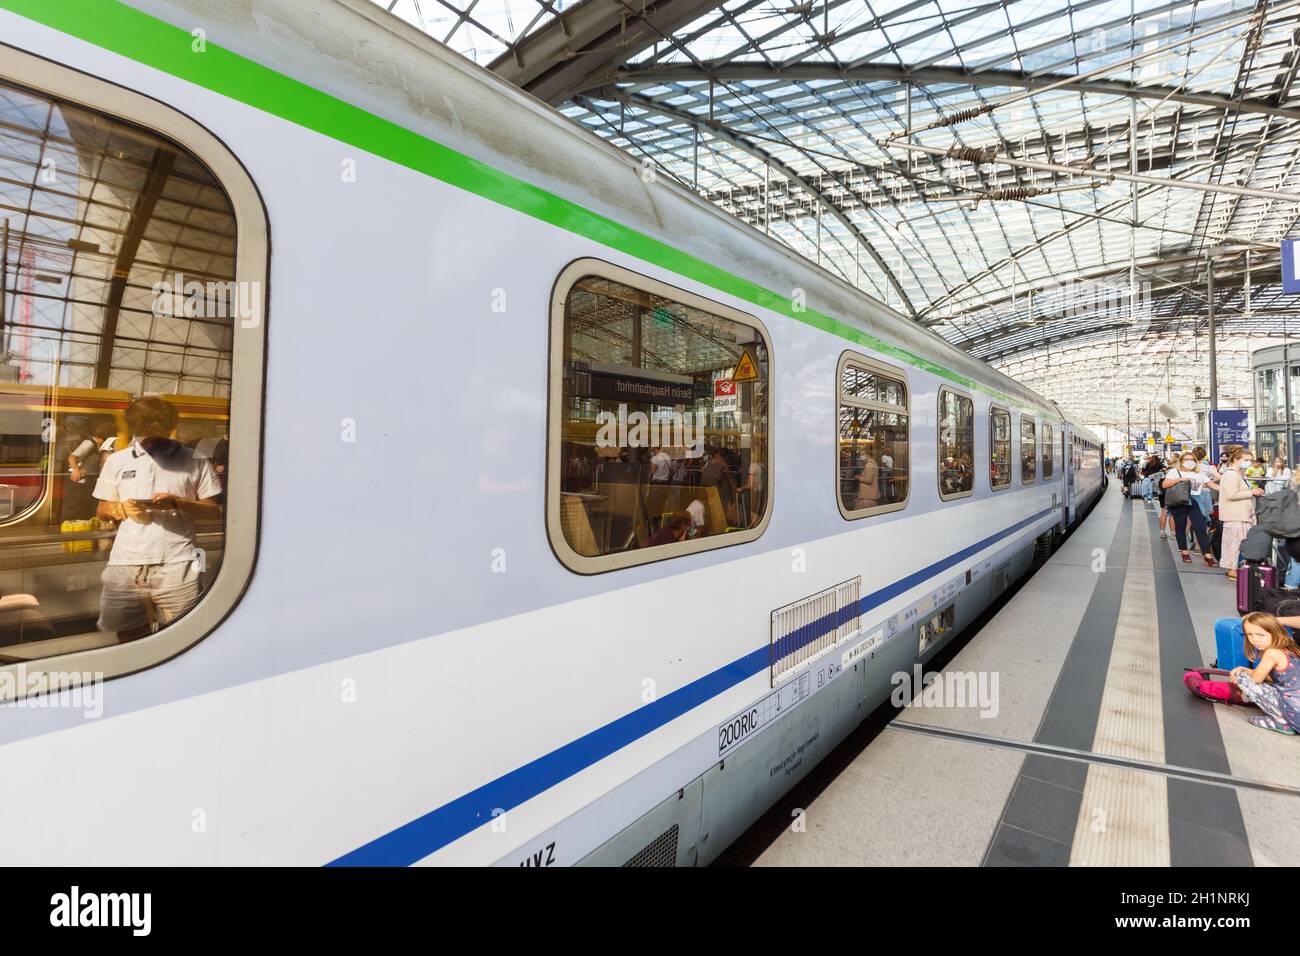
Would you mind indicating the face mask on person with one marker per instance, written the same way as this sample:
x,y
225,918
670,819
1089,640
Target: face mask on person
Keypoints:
x,y
1244,463
1189,464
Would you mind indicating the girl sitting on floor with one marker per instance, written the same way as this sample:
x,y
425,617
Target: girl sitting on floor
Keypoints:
x,y
1274,685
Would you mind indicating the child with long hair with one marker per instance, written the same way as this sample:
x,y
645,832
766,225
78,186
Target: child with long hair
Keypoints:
x,y
1274,684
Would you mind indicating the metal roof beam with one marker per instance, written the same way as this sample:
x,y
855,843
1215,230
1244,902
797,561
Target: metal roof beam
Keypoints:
x,y
758,72
155,181
584,46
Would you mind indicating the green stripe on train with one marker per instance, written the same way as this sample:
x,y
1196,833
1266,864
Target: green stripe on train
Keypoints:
x,y
121,29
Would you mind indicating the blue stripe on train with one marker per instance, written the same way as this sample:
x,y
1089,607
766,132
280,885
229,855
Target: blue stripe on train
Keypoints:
x,y
424,835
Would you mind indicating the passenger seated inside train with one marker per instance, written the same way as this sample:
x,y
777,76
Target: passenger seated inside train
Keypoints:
x,y
696,511
674,529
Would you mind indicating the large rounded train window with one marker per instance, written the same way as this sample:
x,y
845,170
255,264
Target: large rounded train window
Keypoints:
x,y
873,440
119,309
660,430
956,444
1028,451
1000,448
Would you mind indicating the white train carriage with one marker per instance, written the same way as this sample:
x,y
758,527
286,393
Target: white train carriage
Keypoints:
x,y
567,519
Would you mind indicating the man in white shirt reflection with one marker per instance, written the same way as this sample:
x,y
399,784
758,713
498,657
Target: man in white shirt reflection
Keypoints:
x,y
155,489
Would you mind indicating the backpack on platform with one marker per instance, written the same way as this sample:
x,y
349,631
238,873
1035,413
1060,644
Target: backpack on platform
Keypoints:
x,y
1201,682
1279,513
1258,545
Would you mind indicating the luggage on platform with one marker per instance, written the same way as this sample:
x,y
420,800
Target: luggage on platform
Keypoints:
x,y
1202,683
1230,644
1252,579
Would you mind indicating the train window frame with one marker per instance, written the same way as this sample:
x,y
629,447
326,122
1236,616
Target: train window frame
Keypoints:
x,y
569,276
994,410
848,358
1020,456
938,446
122,105
1047,446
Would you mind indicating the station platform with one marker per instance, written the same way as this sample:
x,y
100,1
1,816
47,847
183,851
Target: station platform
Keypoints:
x,y
1094,755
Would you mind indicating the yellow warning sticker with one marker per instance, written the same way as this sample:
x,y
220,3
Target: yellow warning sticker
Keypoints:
x,y
746,368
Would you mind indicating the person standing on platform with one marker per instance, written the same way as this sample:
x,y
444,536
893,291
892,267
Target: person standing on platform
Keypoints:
x,y
1181,485
1205,498
887,476
752,489
1236,506
1150,468
1279,476
1256,473
221,464
84,466
661,466
155,489
868,484
717,474
1166,520
1127,475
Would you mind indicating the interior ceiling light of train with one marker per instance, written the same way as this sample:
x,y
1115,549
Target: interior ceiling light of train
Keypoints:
x,y
1018,175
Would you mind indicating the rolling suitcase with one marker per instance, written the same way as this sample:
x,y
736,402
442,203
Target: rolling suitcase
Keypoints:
x,y
1230,644
1252,578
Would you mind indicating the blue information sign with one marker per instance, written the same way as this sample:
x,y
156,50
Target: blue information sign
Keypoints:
x,y
1290,274
1227,427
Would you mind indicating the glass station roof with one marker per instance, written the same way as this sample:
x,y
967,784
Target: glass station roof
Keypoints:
x,y
795,117
97,216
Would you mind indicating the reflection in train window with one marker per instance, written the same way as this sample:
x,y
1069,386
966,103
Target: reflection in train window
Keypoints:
x,y
1048,450
114,378
874,459
956,444
1028,451
663,440
1000,447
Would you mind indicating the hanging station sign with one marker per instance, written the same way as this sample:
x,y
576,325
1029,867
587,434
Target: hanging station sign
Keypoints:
x,y
624,387
1228,427
724,397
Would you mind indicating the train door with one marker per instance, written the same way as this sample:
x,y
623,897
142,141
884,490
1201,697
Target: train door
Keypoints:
x,y
1067,460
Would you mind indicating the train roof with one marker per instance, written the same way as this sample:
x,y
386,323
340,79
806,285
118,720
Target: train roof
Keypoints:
x,y
355,51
